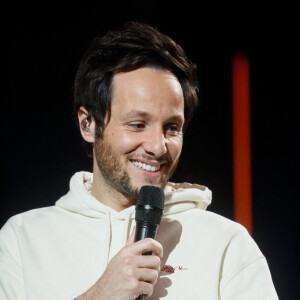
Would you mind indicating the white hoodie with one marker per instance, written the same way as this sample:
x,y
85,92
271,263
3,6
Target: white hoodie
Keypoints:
x,y
59,252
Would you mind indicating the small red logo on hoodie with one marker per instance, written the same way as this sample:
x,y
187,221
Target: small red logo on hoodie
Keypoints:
x,y
170,269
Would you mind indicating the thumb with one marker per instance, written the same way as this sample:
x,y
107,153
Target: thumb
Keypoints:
x,y
131,238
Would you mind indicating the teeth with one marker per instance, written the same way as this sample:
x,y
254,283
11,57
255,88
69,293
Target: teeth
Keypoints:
x,y
145,166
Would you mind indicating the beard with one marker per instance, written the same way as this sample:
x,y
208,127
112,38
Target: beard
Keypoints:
x,y
112,171
115,174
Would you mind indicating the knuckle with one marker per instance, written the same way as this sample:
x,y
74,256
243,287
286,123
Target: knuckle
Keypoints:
x,y
130,272
127,260
149,243
148,290
155,274
133,285
156,261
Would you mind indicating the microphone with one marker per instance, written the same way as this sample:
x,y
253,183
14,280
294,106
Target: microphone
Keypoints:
x,y
148,213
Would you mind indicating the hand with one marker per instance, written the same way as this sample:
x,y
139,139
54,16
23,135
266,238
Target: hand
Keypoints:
x,y
129,274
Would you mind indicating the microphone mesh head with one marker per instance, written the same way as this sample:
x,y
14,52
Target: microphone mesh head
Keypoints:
x,y
151,195
150,205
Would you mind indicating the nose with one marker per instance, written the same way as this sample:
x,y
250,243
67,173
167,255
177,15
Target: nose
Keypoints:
x,y
155,143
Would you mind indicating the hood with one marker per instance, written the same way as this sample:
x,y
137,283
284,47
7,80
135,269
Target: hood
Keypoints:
x,y
178,197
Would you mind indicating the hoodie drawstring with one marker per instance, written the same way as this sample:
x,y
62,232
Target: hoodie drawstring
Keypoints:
x,y
108,239
126,229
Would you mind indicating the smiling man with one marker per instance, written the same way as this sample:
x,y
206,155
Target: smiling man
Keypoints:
x,y
135,92
142,140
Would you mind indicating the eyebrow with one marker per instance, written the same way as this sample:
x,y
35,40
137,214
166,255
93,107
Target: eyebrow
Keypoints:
x,y
145,115
138,113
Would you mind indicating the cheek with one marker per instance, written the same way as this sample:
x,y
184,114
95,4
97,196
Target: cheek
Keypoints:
x,y
175,147
124,142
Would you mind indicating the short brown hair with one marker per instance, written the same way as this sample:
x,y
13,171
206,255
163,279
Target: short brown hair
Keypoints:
x,y
134,46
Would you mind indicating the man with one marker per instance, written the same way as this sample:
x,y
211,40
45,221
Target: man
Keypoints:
x,y
135,92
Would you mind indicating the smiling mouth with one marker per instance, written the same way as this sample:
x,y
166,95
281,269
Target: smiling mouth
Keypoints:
x,y
146,167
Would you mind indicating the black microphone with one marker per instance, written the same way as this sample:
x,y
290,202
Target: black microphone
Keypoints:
x,y
148,213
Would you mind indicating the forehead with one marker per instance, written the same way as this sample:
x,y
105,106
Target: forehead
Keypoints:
x,y
149,89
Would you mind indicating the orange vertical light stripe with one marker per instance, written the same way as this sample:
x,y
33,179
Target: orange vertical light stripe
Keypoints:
x,y
241,141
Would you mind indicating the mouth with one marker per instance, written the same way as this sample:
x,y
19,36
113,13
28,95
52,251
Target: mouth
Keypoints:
x,y
146,166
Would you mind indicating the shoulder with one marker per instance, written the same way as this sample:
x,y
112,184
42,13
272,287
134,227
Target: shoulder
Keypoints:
x,y
239,249
35,216
30,225
211,221
216,230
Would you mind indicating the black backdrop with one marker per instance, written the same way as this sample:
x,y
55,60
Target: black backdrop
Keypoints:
x,y
41,147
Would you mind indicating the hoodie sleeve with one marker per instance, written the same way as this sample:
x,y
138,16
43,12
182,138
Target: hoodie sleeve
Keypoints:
x,y
11,275
245,273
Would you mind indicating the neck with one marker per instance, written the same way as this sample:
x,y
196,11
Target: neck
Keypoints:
x,y
108,195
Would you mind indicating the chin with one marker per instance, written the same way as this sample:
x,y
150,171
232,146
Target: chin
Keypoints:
x,y
160,183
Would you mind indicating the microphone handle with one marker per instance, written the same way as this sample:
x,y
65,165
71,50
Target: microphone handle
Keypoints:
x,y
140,297
142,231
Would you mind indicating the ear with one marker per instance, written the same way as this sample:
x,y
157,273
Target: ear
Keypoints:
x,y
88,131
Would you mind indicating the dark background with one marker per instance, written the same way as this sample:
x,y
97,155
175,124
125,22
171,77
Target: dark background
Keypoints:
x,y
41,146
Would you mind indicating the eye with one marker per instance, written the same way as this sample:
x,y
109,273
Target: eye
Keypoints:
x,y
172,129
137,126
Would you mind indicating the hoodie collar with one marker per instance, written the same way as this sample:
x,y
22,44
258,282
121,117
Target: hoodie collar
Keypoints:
x,y
178,197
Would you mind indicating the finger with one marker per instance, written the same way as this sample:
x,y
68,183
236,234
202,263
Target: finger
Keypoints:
x,y
148,275
131,238
146,288
147,261
147,245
